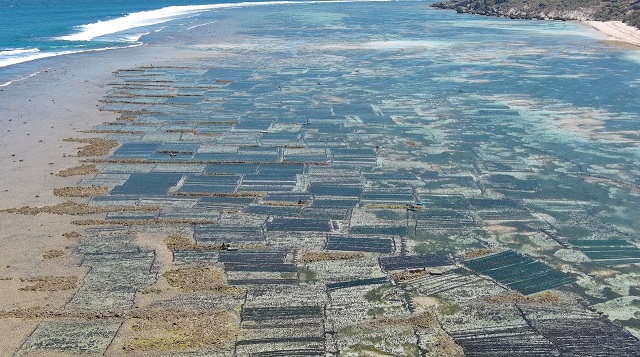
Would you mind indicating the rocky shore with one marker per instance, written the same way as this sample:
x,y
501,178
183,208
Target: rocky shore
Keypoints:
x,y
622,10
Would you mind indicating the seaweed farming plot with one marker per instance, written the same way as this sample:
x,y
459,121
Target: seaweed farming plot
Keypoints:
x,y
432,285
218,234
518,340
443,219
255,261
518,272
282,330
86,337
609,251
209,184
360,244
147,184
354,283
583,335
299,225
331,189
388,196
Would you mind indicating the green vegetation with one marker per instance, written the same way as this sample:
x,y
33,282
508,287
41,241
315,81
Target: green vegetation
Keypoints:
x,y
375,311
621,10
375,294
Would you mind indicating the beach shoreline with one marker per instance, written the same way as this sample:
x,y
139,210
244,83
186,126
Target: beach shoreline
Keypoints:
x,y
61,101
617,31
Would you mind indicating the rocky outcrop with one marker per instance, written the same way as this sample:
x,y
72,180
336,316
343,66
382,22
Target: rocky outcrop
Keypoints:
x,y
581,10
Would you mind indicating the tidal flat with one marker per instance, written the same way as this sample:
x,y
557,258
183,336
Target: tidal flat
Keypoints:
x,y
321,180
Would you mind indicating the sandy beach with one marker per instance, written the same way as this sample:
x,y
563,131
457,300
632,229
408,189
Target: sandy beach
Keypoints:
x,y
38,114
617,31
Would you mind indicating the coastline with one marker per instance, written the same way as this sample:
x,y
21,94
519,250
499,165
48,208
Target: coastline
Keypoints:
x,y
617,31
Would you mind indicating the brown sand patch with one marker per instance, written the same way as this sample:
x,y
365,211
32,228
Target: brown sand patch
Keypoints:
x,y
286,203
392,206
442,344
84,169
426,302
477,253
53,253
73,208
72,235
177,242
408,275
313,256
198,278
167,330
94,147
140,222
546,297
51,283
111,131
80,191
501,229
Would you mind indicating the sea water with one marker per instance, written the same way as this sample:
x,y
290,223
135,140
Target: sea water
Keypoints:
x,y
32,30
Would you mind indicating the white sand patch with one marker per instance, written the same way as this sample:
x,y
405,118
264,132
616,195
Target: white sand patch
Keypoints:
x,y
617,31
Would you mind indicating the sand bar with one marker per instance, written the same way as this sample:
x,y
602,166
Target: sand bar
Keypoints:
x,y
617,31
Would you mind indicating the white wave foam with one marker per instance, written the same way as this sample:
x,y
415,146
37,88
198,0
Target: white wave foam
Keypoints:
x,y
11,60
18,51
153,17
19,79
20,57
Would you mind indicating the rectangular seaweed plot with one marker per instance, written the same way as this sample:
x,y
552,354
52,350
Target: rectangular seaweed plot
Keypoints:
x,y
443,219
210,184
332,189
147,184
215,234
388,196
232,168
253,257
379,230
81,337
135,150
256,316
608,252
519,272
347,155
261,267
413,261
299,225
517,340
379,245
223,203
588,337
361,282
